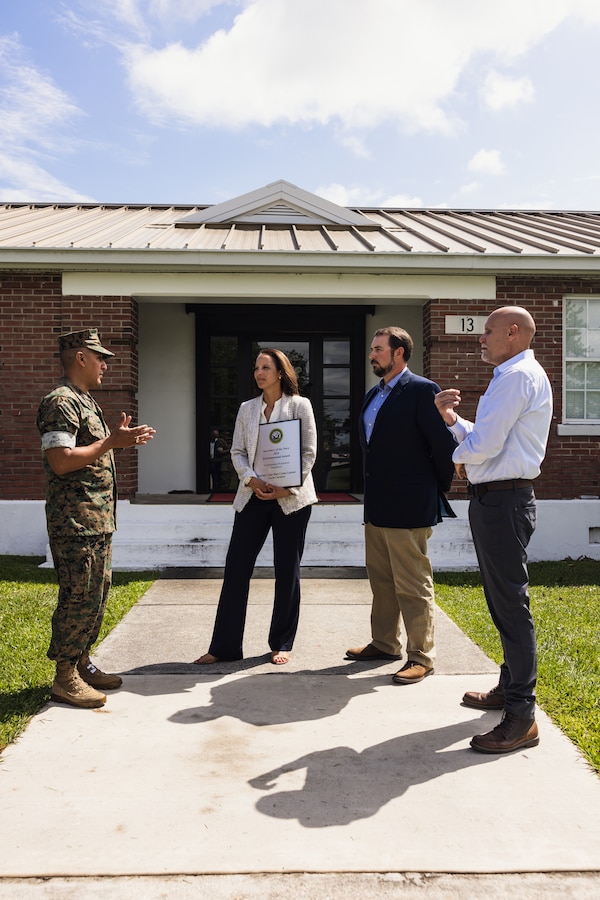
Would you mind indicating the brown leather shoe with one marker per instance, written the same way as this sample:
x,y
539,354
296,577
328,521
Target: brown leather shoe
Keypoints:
x,y
370,652
512,733
412,673
494,699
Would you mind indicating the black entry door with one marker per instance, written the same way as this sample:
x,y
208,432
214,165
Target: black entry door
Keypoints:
x,y
327,352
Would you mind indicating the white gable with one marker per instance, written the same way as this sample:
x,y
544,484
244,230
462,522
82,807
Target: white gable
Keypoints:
x,y
277,203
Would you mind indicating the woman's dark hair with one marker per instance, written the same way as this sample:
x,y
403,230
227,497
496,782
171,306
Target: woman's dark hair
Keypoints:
x,y
289,380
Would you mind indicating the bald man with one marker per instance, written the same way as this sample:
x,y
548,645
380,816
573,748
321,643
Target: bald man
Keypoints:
x,y
500,454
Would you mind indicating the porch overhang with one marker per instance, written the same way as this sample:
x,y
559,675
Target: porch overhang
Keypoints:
x,y
272,287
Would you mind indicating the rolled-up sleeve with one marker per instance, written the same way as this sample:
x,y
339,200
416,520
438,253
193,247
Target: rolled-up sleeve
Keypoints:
x,y
53,439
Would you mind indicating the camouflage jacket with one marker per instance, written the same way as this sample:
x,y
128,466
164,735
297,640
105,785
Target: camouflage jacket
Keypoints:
x,y
81,502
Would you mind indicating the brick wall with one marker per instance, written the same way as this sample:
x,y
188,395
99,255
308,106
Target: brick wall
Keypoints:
x,y
33,313
572,464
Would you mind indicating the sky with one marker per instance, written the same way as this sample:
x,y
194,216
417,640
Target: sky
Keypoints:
x,y
486,104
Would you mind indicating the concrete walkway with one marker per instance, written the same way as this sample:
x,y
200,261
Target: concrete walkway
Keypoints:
x,y
317,779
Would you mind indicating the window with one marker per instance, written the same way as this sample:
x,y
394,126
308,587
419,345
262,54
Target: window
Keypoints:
x,y
582,361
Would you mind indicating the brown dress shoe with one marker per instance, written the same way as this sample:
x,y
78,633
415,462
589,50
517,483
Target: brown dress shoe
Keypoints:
x,y
494,699
512,733
412,673
370,652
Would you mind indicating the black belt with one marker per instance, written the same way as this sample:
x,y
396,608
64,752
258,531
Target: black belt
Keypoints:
x,y
480,490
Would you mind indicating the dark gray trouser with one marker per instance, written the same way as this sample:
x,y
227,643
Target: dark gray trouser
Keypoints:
x,y
502,523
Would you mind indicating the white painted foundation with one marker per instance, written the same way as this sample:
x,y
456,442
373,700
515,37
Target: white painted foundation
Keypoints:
x,y
156,536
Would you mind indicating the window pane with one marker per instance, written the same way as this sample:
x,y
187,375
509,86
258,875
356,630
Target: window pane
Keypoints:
x,y
336,352
576,342
576,313
336,381
336,414
593,314
592,374
592,405
575,375
223,350
594,342
575,404
223,381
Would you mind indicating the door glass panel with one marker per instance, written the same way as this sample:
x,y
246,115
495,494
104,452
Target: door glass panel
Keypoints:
x,y
223,407
223,381
333,470
336,353
336,382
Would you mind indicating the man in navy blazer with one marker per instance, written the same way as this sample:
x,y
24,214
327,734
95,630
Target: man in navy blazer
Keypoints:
x,y
407,468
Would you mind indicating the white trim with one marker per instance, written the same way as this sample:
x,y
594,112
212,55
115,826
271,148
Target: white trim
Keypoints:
x,y
152,260
591,430
260,288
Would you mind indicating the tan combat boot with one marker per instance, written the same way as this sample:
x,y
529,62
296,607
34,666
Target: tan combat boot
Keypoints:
x,y
95,676
68,687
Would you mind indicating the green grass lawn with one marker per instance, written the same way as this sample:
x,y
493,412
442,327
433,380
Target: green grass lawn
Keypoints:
x,y
27,600
565,599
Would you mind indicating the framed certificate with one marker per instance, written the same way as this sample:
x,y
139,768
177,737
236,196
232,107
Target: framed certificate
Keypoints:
x,y
278,457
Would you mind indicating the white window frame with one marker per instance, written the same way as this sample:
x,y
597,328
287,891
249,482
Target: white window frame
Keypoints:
x,y
574,426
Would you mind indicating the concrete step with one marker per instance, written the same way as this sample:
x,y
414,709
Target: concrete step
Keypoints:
x,y
158,537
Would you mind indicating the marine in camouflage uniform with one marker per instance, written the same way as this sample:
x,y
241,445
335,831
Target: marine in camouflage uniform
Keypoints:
x,y
81,515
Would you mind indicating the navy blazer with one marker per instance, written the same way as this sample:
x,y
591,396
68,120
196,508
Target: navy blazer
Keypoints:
x,y
408,461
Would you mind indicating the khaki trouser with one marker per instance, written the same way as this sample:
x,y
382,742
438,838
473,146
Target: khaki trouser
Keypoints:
x,y
401,579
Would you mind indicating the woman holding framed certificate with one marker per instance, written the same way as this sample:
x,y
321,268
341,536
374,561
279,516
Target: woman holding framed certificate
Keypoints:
x,y
273,451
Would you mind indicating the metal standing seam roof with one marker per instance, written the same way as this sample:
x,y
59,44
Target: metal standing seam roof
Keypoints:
x,y
389,231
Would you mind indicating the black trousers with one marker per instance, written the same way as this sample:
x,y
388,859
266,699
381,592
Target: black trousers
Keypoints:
x,y
502,523
250,529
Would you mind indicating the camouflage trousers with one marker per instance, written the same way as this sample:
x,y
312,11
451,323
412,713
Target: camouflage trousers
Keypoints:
x,y
84,570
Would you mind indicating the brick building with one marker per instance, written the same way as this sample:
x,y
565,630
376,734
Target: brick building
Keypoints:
x,y
186,296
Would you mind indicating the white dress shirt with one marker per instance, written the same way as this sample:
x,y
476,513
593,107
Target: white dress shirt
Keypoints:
x,y
509,436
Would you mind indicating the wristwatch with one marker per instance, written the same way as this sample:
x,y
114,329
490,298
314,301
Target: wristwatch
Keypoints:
x,y
248,479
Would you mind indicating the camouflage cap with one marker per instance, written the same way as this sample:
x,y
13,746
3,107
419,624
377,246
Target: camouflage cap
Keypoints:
x,y
83,340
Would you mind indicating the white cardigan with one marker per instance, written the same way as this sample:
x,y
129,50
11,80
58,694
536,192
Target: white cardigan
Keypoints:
x,y
245,440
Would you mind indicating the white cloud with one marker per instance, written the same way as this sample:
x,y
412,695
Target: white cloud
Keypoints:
x,y
22,180
309,63
470,188
402,201
184,10
119,22
358,196
488,162
31,105
528,204
499,91
34,113
346,196
355,144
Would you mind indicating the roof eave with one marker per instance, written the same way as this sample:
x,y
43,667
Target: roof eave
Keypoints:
x,y
114,259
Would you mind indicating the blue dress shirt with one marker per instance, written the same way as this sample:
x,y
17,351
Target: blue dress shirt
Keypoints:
x,y
378,399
